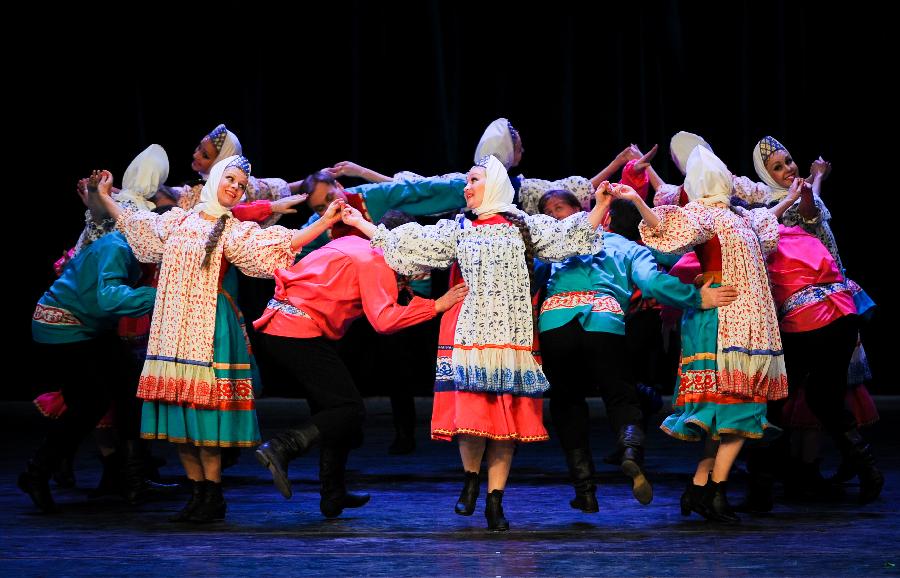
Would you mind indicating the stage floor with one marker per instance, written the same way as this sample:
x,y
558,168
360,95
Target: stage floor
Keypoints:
x,y
409,528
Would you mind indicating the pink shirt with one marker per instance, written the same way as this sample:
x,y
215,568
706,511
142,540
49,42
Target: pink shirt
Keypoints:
x,y
321,295
800,262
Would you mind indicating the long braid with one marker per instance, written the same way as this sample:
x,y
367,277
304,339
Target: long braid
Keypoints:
x,y
213,239
525,231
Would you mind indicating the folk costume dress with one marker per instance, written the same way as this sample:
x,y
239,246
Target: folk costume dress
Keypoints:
x,y
732,359
197,378
488,381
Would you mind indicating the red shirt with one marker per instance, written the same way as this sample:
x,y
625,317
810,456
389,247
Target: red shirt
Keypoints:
x,y
335,285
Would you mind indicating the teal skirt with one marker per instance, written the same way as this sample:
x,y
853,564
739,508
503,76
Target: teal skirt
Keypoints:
x,y
698,408
233,423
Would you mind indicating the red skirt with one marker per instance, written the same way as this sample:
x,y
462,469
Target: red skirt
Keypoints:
x,y
490,415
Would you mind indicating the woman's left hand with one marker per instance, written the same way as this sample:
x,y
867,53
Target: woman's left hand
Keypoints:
x,y
333,213
820,167
623,192
644,161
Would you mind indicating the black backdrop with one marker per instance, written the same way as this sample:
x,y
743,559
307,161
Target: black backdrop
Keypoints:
x,y
411,85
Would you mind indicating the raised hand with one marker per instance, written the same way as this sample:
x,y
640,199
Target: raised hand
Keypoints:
x,y
630,152
334,211
797,187
644,161
285,206
821,168
624,192
347,169
82,189
351,216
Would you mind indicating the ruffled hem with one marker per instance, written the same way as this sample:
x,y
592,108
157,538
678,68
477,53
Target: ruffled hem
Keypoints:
x,y
200,427
727,415
496,417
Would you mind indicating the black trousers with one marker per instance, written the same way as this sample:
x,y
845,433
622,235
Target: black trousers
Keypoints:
x,y
818,360
644,346
337,407
576,362
93,374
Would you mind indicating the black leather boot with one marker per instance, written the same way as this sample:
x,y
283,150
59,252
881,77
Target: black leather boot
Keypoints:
x,y
278,451
581,472
35,481
715,500
198,490
493,511
465,506
859,453
692,500
334,495
211,506
111,478
631,440
136,485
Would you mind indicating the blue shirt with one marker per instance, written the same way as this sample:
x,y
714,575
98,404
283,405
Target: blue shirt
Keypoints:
x,y
596,289
95,289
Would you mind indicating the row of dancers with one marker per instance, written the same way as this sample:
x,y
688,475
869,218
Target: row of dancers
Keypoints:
x,y
546,278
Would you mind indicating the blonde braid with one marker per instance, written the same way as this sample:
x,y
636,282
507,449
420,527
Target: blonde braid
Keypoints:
x,y
213,239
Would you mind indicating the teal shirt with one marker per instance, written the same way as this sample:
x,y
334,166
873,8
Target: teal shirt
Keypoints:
x,y
614,271
418,198
96,289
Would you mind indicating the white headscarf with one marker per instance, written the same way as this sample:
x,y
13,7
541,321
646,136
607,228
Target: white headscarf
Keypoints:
x,y
682,145
209,198
761,153
498,191
226,144
496,141
708,180
143,177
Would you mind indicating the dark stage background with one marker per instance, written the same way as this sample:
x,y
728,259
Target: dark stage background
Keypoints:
x,y
411,86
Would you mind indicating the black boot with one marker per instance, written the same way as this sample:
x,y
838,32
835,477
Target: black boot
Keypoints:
x,y
64,476
493,511
856,451
715,501
581,472
211,506
111,478
465,506
692,500
35,481
198,490
631,440
281,449
651,402
334,495
136,487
